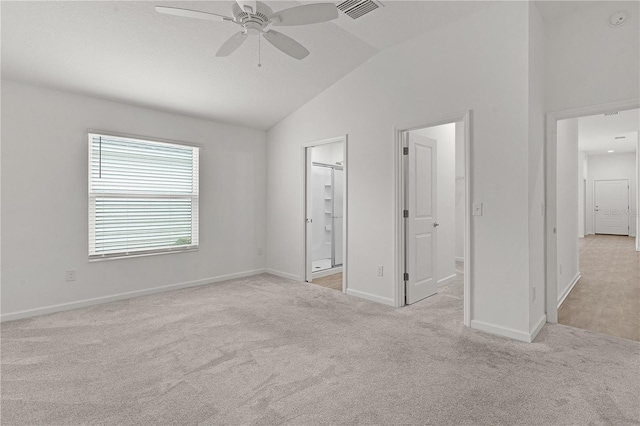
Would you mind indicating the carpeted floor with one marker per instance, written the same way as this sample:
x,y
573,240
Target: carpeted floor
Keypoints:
x,y
266,350
607,297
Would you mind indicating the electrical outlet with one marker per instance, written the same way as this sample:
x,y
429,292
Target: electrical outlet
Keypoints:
x,y
477,209
259,251
380,271
71,274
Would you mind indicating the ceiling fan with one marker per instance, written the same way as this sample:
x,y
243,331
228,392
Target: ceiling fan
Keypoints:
x,y
256,18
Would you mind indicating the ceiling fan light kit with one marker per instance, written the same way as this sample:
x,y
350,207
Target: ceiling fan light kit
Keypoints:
x,y
256,18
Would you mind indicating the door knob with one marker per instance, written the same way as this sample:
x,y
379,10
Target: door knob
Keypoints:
x,y
436,224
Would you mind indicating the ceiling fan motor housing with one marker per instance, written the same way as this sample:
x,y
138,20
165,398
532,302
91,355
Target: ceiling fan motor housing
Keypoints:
x,y
255,22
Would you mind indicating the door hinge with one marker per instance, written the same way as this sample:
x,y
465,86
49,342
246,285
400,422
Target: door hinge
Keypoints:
x,y
406,276
405,213
405,150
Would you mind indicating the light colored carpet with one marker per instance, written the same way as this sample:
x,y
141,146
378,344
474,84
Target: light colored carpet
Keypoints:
x,y
265,350
607,297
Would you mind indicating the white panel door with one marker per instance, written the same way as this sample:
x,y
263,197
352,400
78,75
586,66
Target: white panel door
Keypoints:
x,y
611,206
421,224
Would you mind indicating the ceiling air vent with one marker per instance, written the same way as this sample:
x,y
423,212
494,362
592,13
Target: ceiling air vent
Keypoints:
x,y
358,8
620,137
606,114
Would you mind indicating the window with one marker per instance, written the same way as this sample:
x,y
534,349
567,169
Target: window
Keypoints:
x,y
143,196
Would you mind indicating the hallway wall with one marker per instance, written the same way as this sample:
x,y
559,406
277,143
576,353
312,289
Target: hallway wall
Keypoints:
x,y
567,205
590,63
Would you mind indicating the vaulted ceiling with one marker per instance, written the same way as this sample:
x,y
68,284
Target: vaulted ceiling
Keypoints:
x,y
125,51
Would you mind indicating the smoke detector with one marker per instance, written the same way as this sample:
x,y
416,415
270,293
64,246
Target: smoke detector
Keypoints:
x,y
619,18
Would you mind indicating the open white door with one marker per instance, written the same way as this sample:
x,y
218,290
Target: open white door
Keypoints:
x,y
308,214
611,207
421,226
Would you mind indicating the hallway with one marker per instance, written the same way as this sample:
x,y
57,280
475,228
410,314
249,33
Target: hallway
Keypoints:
x,y
607,297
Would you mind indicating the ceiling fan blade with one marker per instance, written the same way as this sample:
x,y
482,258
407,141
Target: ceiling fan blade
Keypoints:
x,y
306,14
232,44
286,44
192,14
247,3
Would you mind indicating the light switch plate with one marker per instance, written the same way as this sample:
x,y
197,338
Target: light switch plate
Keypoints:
x,y
477,209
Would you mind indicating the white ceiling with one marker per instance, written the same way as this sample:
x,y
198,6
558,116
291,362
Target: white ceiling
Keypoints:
x,y
597,133
555,9
125,51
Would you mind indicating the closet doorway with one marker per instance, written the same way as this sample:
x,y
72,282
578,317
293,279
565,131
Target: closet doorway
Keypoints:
x,y
325,213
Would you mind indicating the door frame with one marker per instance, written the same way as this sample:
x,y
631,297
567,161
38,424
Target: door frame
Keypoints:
x,y
400,133
593,206
551,187
306,274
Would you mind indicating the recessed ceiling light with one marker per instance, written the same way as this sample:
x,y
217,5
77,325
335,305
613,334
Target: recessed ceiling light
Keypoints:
x,y
610,150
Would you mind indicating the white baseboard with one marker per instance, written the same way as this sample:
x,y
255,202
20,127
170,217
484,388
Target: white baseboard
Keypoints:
x,y
536,328
121,296
326,272
568,290
446,280
369,296
284,275
511,333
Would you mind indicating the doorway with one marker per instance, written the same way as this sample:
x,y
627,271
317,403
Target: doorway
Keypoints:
x,y
591,235
434,216
325,207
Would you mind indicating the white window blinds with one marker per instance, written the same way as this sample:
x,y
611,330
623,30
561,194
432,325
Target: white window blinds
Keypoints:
x,y
143,196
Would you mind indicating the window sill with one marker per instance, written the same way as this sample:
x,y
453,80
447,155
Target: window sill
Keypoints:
x,y
129,256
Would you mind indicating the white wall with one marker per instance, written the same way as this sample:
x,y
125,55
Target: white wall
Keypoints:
x,y
330,153
446,203
480,63
582,176
567,205
612,166
590,63
45,202
460,191
536,194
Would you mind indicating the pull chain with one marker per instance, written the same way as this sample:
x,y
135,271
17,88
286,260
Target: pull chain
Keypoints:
x,y
259,57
